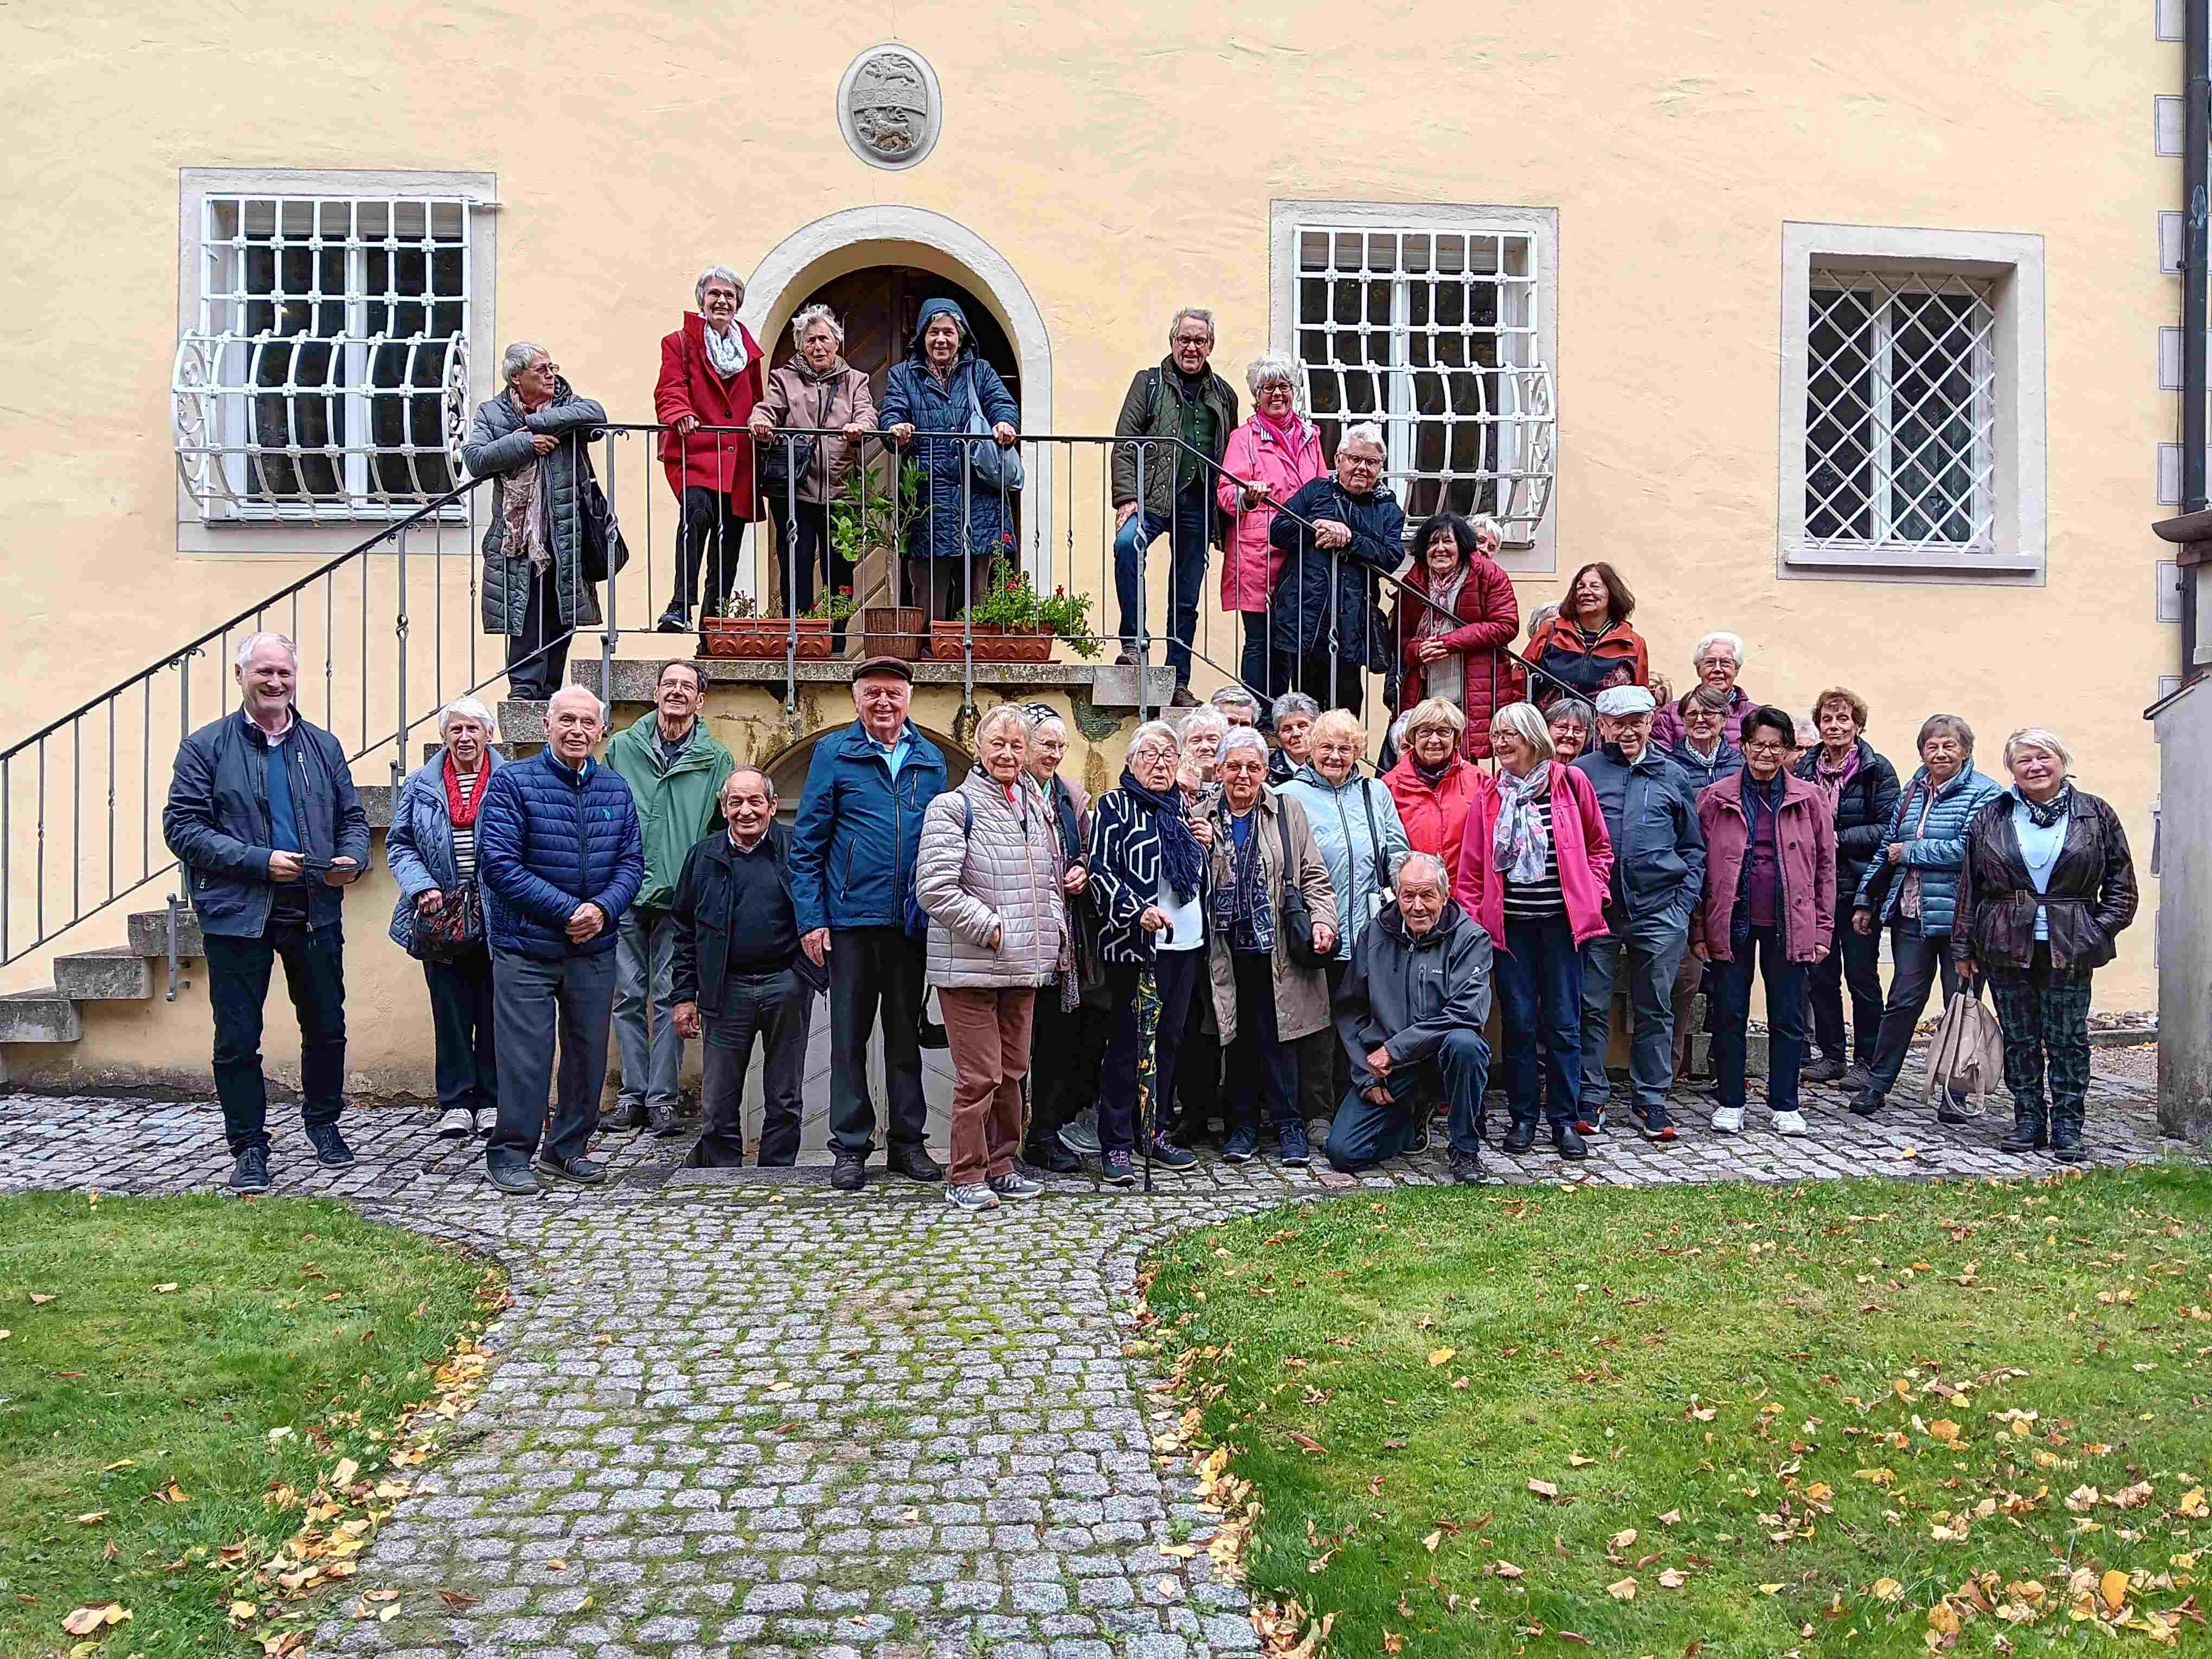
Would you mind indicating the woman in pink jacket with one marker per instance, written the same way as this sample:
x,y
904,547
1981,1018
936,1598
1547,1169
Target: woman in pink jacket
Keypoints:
x,y
1769,894
1267,461
1535,866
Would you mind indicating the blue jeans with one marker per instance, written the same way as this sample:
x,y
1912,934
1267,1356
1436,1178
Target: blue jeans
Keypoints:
x,y
1186,577
1539,998
1785,1019
1364,1132
1654,957
238,986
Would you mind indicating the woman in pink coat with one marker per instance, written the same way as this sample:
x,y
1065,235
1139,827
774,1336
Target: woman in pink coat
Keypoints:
x,y
1267,461
1535,863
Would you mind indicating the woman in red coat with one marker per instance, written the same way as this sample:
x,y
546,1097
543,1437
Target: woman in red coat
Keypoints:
x,y
1451,639
1432,783
710,376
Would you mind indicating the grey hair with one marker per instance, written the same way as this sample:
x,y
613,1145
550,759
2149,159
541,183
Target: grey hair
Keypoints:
x,y
1005,714
767,783
1951,723
1272,368
1405,866
1482,524
1205,720
1362,432
465,708
809,315
2039,737
717,273
253,643
519,356
1526,722
1152,731
1234,696
1296,702
1198,313
1437,712
577,691
1572,708
1241,738
1734,641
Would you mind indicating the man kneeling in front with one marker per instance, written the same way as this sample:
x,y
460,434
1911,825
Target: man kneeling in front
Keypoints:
x,y
1409,1015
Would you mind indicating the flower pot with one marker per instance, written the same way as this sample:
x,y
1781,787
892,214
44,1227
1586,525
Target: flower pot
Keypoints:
x,y
764,638
889,630
993,642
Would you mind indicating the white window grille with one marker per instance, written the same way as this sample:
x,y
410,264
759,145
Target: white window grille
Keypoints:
x,y
1900,412
1435,334
327,378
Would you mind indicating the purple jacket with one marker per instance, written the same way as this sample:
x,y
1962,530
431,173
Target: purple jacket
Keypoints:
x,y
1805,849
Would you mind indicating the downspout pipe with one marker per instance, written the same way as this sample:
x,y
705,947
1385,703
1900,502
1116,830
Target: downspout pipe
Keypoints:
x,y
2196,153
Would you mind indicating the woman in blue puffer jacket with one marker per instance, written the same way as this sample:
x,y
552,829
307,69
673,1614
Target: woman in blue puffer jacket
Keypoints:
x,y
1912,885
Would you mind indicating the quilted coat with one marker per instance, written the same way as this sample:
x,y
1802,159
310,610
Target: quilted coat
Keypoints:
x,y
1340,819
1936,851
1863,811
1434,815
419,846
549,839
1489,617
1301,994
1251,565
499,442
912,393
719,461
988,865
1153,406
858,831
2089,897
1302,621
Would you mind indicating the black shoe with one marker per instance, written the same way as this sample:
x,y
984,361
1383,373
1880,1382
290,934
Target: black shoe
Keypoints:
x,y
914,1162
848,1173
1519,1138
331,1148
581,1171
1164,1154
1125,660
2066,1134
251,1173
2031,1132
665,1122
1567,1143
1050,1156
1869,1104
515,1180
1827,1069
672,621
1947,1113
930,1034
1464,1167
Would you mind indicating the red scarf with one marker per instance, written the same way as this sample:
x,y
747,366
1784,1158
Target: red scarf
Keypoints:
x,y
463,812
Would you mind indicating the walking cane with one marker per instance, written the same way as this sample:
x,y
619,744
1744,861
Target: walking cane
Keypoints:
x,y
1148,1026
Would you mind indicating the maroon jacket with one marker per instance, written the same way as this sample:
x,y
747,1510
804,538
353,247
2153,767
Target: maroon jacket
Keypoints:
x,y
721,461
1805,848
1490,616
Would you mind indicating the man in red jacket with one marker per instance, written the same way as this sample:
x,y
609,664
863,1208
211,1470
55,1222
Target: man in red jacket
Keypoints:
x,y
710,378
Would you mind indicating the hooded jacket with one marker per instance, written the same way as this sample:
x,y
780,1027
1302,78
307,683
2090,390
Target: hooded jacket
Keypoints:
x,y
500,441
1805,858
677,802
913,394
989,866
1658,849
858,831
1406,994
1556,647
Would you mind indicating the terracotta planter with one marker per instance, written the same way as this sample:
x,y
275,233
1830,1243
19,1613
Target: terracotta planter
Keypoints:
x,y
889,630
993,642
763,638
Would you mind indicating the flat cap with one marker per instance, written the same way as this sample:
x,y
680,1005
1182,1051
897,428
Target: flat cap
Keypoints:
x,y
898,665
1616,702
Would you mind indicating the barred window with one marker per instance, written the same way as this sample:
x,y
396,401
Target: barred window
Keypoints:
x,y
1900,410
1434,333
328,373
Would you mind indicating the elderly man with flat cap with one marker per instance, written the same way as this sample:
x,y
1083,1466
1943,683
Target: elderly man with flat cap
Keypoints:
x,y
852,859
1658,871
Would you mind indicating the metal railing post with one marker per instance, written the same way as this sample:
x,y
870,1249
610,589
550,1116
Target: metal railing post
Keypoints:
x,y
399,628
791,578
1143,558
610,628
170,926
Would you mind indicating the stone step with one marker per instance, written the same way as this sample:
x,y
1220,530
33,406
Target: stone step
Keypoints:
x,y
148,935
116,974
41,1016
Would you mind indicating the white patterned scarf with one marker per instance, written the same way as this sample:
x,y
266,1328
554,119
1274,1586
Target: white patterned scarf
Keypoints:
x,y
1521,841
725,353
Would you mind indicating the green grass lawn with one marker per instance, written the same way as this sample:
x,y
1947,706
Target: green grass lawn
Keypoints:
x,y
149,1349
1864,1418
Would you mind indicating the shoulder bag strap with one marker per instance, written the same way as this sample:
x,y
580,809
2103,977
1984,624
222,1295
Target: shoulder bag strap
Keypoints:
x,y
1374,838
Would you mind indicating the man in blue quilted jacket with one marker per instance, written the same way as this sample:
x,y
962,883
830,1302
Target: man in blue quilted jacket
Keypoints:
x,y
560,858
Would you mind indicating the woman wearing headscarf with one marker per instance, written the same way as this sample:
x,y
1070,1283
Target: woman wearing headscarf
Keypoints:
x,y
929,398
1454,616
1148,875
2046,887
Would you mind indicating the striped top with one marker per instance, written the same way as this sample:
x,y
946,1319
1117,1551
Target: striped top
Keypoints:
x,y
464,840
1532,901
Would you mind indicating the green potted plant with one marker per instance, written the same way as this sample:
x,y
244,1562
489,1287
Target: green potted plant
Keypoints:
x,y
1005,623
1068,616
864,519
739,631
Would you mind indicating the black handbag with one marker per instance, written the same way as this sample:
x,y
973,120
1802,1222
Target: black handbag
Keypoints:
x,y
1294,925
603,551
782,462
451,932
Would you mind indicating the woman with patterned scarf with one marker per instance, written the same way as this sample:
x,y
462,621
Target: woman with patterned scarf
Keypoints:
x,y
1147,863
2046,885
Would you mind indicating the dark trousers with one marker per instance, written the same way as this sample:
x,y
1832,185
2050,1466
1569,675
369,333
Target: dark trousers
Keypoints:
x,y
709,534
1350,690
1539,998
2044,1015
1187,550
538,657
1173,973
1915,959
461,1017
1198,1096
812,555
238,986
872,969
1261,1066
1253,668
536,1002
944,588
1324,1069
1067,1047
1365,1133
1785,1019
778,1009
1854,959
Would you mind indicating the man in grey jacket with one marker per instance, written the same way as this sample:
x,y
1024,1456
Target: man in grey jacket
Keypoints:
x,y
1409,1015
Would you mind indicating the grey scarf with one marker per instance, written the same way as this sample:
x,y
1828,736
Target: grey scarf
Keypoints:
x,y
725,353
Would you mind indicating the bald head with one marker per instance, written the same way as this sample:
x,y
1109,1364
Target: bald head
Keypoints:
x,y
575,722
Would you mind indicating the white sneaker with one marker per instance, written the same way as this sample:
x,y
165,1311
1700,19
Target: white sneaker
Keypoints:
x,y
1728,1119
456,1123
1791,1123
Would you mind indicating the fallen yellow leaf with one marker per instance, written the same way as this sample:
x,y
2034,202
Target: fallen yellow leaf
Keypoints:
x,y
93,1519
1441,1357
1768,1590
1623,1589
1886,1590
343,1475
1672,1578
1506,1570
1943,1620
1431,1542
85,1619
243,1611
38,1301
2113,1587
1544,1488
1945,1431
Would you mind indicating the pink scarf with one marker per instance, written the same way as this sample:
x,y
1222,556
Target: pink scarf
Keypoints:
x,y
1832,779
1291,435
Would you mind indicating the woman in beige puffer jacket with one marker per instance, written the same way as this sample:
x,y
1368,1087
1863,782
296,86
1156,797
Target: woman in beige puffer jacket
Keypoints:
x,y
989,874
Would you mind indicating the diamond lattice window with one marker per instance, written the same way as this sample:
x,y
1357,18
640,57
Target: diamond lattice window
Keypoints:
x,y
1900,412
1433,333
329,370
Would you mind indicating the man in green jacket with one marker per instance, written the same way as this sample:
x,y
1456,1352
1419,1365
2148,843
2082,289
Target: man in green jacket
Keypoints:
x,y
675,768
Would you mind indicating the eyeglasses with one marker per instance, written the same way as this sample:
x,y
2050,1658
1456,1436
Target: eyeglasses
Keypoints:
x,y
1765,748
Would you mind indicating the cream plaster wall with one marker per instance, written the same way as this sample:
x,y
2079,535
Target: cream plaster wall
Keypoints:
x,y
1123,162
